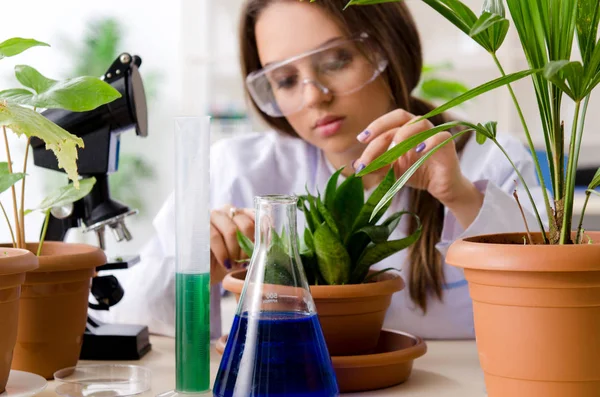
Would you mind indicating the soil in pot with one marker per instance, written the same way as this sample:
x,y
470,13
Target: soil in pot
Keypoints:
x,y
351,316
537,314
14,263
54,303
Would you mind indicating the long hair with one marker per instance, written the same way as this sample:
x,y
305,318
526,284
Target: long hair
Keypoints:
x,y
392,27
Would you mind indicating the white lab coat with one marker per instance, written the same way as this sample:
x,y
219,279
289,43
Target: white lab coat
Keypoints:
x,y
272,163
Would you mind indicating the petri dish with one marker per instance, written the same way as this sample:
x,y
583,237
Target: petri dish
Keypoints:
x,y
103,380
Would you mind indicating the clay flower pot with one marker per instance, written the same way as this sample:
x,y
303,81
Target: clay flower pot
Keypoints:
x,y
537,314
54,303
351,316
14,263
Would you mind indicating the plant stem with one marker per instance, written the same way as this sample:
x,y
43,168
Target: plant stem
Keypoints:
x,y
535,210
565,230
14,194
579,140
516,196
538,168
12,235
22,210
580,226
44,230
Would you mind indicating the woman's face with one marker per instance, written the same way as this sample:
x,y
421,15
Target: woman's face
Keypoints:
x,y
289,28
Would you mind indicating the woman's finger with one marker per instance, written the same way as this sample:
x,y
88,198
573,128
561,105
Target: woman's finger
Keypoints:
x,y
217,270
394,119
218,247
374,149
225,225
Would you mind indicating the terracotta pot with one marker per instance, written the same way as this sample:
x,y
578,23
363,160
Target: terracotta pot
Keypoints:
x,y
54,303
14,263
351,316
537,314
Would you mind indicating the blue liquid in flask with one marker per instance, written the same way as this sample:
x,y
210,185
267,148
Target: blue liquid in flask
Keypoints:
x,y
273,354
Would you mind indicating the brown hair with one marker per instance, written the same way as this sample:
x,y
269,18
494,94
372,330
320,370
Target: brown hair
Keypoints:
x,y
392,27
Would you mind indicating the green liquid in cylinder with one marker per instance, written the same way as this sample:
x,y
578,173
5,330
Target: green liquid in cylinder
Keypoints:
x,y
192,332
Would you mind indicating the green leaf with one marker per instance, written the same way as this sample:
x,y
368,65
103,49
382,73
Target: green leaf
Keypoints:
x,y
381,233
498,34
16,95
309,240
412,169
78,94
492,128
331,188
279,274
403,147
485,21
24,121
378,252
348,202
17,45
245,243
326,215
313,212
332,258
482,89
366,2
595,181
67,194
365,212
559,71
8,179
588,18
33,79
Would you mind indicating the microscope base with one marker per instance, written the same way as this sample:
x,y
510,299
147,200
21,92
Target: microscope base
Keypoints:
x,y
115,342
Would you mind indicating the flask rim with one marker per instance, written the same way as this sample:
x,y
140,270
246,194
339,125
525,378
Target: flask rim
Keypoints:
x,y
276,199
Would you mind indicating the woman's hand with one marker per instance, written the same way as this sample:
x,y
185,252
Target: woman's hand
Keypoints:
x,y
440,175
225,251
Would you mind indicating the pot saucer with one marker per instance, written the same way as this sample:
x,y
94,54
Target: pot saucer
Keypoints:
x,y
389,364
23,384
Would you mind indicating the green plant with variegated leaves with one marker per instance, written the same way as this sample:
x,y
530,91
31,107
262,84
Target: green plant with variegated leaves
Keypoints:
x,y
547,30
18,113
341,240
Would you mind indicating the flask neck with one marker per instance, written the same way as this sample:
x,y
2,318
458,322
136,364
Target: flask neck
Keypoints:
x,y
276,223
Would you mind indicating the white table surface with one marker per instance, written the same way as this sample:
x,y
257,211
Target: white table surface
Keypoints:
x,y
449,369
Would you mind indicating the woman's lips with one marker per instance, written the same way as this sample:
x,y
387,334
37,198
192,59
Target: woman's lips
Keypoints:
x,y
327,128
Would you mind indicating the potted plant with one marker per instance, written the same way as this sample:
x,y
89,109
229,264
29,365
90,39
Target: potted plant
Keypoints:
x,y
536,296
14,263
53,304
338,246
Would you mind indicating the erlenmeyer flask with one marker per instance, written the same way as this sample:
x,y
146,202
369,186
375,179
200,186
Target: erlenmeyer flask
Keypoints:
x,y
276,346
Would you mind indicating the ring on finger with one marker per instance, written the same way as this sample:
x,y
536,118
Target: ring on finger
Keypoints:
x,y
232,212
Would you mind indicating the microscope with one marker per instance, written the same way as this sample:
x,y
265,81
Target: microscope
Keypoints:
x,y
100,130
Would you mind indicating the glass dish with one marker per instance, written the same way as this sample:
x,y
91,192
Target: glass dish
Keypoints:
x,y
103,380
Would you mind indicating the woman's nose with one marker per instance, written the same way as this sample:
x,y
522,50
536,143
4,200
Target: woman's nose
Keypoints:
x,y
315,93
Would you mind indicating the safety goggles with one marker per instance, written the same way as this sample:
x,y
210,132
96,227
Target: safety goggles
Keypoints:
x,y
340,67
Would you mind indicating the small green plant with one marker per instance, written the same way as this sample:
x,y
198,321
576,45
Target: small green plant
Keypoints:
x,y
341,241
18,113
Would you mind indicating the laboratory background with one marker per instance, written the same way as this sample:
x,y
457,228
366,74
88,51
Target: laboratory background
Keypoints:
x,y
190,67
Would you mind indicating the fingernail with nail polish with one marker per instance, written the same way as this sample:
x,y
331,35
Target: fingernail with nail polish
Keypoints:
x,y
360,167
363,136
420,147
227,263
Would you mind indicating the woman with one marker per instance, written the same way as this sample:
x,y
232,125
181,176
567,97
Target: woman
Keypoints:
x,y
335,86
